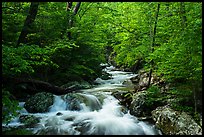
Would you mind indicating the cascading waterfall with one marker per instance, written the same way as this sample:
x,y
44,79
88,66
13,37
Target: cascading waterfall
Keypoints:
x,y
99,113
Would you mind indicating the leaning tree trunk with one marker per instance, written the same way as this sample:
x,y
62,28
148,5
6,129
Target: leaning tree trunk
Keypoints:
x,y
153,43
28,22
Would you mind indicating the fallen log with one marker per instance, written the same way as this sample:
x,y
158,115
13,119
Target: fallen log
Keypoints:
x,y
34,86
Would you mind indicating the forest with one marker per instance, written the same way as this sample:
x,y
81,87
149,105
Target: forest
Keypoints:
x,y
48,44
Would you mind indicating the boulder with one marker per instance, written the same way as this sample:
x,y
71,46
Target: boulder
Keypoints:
x,y
128,83
105,76
172,122
39,103
137,106
135,79
77,85
141,80
124,97
29,120
75,101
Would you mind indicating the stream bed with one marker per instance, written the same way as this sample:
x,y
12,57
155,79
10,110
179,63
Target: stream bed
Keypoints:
x,y
98,112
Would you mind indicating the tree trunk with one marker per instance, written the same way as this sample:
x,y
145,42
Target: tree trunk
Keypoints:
x,y
76,8
28,22
153,43
71,16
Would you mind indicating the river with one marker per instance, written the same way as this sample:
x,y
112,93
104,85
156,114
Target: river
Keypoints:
x,y
102,115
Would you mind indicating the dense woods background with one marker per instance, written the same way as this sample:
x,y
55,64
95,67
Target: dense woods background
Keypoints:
x,y
58,42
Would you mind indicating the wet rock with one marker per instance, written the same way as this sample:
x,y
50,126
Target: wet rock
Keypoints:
x,y
135,79
59,114
128,83
105,76
172,122
77,85
29,120
83,127
39,103
75,101
124,97
119,94
52,131
137,106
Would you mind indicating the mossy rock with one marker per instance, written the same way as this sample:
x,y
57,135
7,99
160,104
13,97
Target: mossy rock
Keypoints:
x,y
77,85
29,120
39,103
105,76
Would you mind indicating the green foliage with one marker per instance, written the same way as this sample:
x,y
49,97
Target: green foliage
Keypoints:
x,y
24,58
9,107
179,107
154,97
13,16
177,50
182,98
196,117
179,56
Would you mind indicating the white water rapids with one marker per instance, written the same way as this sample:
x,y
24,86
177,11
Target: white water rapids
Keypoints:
x,y
107,119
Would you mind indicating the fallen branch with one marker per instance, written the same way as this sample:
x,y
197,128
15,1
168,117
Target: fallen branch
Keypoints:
x,y
35,86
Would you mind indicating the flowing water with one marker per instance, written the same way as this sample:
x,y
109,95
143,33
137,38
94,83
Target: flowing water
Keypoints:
x,y
99,114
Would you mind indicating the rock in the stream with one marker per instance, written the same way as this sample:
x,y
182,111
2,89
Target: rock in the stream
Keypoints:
x,y
39,103
105,76
29,120
172,122
128,83
77,85
124,97
75,101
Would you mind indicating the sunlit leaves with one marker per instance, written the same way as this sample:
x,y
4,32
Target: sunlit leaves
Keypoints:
x,y
24,58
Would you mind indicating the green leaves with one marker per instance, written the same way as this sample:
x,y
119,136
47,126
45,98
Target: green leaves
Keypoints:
x,y
24,58
127,27
9,107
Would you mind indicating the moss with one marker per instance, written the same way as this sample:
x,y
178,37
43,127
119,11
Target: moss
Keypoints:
x,y
40,102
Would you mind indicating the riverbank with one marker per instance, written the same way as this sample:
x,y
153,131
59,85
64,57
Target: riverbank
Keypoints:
x,y
163,104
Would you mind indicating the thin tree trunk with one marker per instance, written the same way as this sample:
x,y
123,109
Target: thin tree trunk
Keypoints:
x,y
76,8
28,22
153,43
69,6
71,16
